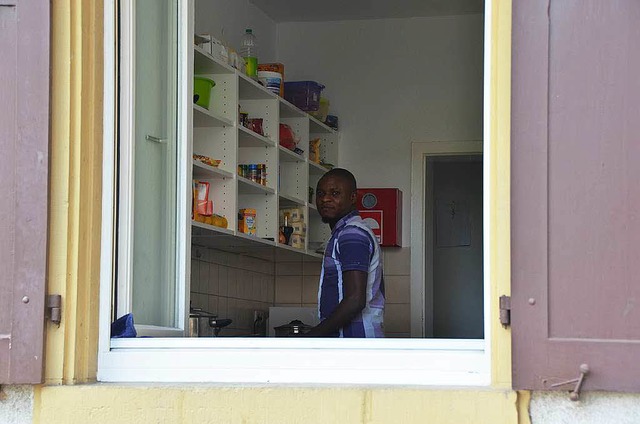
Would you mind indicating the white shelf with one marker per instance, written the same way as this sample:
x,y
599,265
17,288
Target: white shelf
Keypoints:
x,y
316,169
255,239
210,230
247,186
245,146
248,138
206,118
251,90
316,126
290,201
287,155
312,206
204,63
206,172
288,110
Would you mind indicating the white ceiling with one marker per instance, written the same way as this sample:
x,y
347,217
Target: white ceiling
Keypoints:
x,y
338,10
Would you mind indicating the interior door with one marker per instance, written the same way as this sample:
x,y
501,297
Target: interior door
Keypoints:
x,y
576,194
153,150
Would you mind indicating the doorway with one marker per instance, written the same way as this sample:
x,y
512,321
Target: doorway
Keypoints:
x,y
454,247
454,307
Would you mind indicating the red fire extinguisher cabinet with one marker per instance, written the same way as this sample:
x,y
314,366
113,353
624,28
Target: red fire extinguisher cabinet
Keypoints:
x,y
381,209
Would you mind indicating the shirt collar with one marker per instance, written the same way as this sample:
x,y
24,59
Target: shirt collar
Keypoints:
x,y
343,221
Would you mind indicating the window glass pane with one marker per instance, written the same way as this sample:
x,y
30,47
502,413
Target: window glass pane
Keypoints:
x,y
155,163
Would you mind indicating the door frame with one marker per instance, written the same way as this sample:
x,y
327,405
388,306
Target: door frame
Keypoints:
x,y
421,287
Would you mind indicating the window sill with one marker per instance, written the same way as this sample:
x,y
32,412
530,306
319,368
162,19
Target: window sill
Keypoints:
x,y
414,362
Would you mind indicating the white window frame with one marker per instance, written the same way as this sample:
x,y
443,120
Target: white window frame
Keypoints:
x,y
421,362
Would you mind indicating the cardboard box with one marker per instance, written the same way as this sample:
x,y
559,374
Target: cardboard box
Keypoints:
x,y
247,221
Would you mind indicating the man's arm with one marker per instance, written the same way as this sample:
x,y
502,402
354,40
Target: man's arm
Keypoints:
x,y
354,284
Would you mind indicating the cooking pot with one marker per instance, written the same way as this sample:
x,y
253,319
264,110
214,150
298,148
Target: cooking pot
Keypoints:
x,y
199,321
293,329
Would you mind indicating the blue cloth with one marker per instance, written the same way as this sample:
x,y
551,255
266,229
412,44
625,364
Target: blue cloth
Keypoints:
x,y
353,247
123,327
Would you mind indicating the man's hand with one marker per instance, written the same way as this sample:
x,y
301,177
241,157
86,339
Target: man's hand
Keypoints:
x,y
354,285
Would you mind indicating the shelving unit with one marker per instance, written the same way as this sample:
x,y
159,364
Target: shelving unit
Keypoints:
x,y
216,133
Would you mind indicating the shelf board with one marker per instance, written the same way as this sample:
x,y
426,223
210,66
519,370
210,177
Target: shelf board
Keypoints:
x,y
255,239
312,206
251,90
247,186
248,138
208,172
316,169
316,127
206,118
290,201
288,110
204,63
206,230
287,155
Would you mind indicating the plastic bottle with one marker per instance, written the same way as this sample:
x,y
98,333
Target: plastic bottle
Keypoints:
x,y
249,52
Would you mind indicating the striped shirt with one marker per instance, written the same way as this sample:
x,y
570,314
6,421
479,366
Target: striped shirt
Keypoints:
x,y
353,246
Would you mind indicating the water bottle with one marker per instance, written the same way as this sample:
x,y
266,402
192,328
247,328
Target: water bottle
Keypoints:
x,y
249,52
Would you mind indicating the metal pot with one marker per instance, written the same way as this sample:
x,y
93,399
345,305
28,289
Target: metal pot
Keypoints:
x,y
293,329
199,321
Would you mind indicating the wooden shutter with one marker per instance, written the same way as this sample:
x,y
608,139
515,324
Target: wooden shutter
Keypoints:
x,y
576,193
24,141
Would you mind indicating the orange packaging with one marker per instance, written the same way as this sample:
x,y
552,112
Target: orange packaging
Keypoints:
x,y
274,67
247,221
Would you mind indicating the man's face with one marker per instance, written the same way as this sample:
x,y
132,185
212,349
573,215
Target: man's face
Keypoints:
x,y
334,199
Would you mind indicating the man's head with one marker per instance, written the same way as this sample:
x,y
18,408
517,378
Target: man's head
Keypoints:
x,y
336,195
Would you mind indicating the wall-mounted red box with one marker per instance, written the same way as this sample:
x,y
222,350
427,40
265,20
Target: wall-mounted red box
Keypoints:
x,y
381,209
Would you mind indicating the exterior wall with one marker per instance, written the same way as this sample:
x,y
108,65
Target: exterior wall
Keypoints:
x,y
111,404
593,408
16,404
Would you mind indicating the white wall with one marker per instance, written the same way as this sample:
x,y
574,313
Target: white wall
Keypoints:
x,y
227,20
391,82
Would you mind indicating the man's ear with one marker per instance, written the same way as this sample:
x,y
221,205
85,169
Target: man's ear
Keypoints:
x,y
354,197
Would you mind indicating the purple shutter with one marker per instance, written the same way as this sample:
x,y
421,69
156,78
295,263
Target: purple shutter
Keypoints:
x,y
576,193
24,143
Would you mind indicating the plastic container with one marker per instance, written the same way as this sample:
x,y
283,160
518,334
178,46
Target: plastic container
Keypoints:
x,y
249,52
272,81
323,110
304,94
274,67
202,91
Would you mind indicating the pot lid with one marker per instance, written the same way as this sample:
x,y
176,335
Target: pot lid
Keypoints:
x,y
293,324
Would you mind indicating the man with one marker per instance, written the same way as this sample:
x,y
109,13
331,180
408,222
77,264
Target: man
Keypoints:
x,y
351,294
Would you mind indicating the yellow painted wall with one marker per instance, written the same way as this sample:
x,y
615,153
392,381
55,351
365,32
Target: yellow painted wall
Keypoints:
x,y
74,251
102,403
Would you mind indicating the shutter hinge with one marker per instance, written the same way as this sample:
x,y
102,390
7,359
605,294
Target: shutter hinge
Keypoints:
x,y
54,312
505,311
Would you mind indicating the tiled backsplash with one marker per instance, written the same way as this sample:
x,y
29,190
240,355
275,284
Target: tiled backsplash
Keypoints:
x,y
231,286
296,284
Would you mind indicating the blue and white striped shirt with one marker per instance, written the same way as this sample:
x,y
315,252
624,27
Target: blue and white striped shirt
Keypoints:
x,y
353,246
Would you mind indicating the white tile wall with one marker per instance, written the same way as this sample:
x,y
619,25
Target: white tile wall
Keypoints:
x,y
231,286
296,284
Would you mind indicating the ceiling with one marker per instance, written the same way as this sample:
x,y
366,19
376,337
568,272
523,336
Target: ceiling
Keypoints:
x,y
339,10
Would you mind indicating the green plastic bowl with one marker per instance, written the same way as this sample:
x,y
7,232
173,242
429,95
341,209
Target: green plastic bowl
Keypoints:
x,y
202,91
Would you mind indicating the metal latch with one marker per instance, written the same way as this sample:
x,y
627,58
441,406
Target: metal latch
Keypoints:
x,y
575,394
505,310
54,311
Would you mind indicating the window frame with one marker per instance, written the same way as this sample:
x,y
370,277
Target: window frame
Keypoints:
x,y
420,362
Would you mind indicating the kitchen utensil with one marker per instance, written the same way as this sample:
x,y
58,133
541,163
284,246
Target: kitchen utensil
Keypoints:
x,y
198,319
294,328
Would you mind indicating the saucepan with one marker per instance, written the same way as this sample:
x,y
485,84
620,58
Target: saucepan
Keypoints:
x,y
293,329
